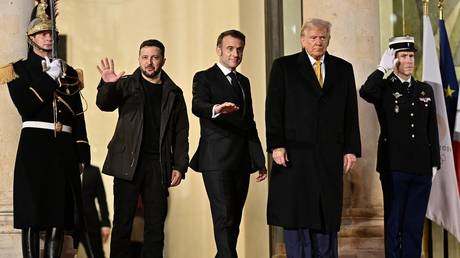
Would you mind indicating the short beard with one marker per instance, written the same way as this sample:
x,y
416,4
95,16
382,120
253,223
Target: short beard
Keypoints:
x,y
151,76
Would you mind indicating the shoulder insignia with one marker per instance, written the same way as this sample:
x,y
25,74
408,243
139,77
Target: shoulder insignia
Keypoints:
x,y
80,78
7,74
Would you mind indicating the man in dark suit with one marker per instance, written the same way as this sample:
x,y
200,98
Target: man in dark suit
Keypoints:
x,y
313,135
229,148
98,223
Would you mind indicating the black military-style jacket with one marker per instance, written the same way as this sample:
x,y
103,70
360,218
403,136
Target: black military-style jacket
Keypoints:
x,y
39,98
46,174
408,139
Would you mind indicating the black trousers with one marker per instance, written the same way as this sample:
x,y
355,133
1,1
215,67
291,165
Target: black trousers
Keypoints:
x,y
95,240
147,182
227,191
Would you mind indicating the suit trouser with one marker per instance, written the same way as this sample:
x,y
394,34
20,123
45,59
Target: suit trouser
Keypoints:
x,y
405,200
147,182
95,238
306,243
227,191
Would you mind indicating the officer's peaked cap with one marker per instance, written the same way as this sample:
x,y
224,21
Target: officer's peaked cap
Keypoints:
x,y
405,43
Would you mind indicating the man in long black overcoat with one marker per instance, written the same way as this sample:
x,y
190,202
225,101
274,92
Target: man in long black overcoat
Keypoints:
x,y
313,135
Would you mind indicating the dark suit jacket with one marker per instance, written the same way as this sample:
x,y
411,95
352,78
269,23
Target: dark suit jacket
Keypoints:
x,y
229,141
92,189
317,126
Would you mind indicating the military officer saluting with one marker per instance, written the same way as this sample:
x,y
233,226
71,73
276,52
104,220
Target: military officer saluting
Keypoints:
x,y
53,142
408,147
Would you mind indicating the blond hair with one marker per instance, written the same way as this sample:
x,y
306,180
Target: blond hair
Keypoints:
x,y
316,23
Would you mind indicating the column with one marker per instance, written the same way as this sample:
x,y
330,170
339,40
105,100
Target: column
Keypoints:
x,y
14,19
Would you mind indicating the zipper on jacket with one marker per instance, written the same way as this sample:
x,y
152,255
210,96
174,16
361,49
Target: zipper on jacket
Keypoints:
x,y
132,162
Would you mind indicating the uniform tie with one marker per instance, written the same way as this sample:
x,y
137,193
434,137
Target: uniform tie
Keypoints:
x,y
406,86
318,72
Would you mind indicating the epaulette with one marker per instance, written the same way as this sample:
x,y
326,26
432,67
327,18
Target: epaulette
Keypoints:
x,y
80,78
7,73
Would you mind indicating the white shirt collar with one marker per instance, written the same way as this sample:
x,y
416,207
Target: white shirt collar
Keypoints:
x,y
224,69
313,60
403,81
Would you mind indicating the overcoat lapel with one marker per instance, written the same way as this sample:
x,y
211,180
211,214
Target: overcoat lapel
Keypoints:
x,y
330,73
307,72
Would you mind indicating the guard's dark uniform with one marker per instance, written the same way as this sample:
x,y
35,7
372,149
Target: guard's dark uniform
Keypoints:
x,y
46,175
408,149
408,139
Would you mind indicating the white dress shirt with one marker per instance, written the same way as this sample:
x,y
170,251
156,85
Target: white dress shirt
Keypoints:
x,y
313,63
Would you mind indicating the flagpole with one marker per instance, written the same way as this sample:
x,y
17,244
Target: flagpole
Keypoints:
x,y
441,9
403,18
425,7
445,235
428,228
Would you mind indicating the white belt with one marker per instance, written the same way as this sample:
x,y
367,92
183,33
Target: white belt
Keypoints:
x,y
45,125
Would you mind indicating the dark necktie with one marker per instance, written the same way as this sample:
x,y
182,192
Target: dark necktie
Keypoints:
x,y
236,87
406,87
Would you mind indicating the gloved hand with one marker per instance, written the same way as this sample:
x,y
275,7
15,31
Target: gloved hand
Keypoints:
x,y
435,170
54,68
388,60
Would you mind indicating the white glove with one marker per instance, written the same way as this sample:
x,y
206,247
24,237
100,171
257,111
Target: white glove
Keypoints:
x,y
53,69
435,171
388,60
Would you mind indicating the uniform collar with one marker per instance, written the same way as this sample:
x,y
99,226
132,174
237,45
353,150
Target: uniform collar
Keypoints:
x,y
403,81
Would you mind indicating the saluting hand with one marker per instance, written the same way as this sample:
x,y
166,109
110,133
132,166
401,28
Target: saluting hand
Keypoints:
x,y
107,71
388,60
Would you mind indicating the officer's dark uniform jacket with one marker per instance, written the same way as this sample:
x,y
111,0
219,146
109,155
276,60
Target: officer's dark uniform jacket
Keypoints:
x,y
408,139
46,175
127,94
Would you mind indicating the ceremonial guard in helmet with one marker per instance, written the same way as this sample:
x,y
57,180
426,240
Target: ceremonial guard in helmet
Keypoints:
x,y
53,144
408,146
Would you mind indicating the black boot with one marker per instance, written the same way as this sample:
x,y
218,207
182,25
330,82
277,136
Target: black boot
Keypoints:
x,y
53,243
30,243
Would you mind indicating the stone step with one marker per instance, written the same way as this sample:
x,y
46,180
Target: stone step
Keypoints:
x,y
363,254
352,244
